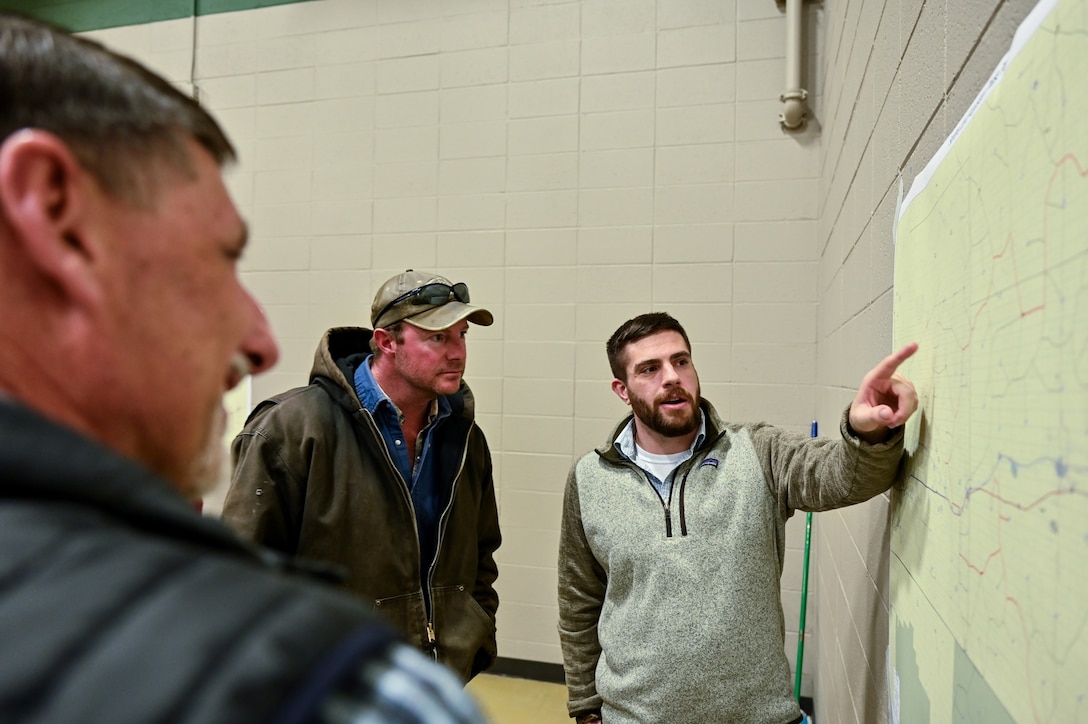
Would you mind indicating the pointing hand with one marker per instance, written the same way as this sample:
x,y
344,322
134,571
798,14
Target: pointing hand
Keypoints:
x,y
885,399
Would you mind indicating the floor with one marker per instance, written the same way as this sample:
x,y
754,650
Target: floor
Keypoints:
x,y
506,700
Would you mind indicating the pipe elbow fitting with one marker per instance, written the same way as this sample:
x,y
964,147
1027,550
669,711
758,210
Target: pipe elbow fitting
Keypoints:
x,y
794,110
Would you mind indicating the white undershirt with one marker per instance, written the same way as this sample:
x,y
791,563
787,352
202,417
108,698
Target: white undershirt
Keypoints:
x,y
660,466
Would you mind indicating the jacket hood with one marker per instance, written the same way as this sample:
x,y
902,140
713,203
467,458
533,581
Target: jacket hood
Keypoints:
x,y
340,349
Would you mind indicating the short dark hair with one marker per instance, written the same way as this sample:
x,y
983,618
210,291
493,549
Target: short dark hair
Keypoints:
x,y
635,329
396,329
113,113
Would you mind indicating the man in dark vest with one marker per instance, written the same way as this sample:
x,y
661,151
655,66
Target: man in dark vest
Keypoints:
x,y
122,324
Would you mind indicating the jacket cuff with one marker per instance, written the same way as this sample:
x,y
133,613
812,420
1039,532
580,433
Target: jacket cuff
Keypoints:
x,y
851,437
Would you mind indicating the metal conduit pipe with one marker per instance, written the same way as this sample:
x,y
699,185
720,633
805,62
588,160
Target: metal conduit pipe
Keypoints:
x,y
794,110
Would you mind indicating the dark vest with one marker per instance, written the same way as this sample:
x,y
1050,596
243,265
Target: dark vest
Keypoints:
x,y
118,603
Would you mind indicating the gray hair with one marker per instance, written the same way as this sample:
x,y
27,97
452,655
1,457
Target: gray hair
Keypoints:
x,y
113,113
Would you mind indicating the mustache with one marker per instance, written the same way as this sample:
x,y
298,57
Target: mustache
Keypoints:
x,y
240,366
678,393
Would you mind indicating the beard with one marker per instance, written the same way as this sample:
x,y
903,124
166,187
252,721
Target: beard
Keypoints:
x,y
669,424
209,469
197,475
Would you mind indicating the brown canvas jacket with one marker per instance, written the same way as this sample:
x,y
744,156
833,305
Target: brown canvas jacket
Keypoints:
x,y
313,479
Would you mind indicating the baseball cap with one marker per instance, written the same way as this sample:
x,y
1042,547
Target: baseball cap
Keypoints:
x,y
425,300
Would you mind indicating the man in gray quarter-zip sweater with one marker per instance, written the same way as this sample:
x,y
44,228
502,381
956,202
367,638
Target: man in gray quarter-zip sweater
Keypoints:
x,y
673,537
378,467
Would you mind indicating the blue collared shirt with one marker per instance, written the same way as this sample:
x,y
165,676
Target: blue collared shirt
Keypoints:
x,y
421,477
625,446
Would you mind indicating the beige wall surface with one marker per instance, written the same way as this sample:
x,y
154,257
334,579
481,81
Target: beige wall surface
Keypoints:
x,y
578,162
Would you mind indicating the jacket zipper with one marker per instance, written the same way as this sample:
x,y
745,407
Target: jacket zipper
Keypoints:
x,y
442,520
415,525
432,637
432,640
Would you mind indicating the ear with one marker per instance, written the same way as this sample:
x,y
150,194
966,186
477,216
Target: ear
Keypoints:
x,y
44,194
620,388
385,341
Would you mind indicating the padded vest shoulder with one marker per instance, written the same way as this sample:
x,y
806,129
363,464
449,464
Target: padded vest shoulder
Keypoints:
x,y
118,603
102,623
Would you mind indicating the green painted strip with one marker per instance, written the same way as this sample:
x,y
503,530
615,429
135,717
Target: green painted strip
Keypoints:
x,y
210,7
82,15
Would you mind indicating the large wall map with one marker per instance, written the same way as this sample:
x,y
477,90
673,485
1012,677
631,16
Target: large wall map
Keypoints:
x,y
989,568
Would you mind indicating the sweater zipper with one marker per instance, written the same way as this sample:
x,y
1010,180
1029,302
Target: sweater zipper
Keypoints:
x,y
683,516
683,484
664,503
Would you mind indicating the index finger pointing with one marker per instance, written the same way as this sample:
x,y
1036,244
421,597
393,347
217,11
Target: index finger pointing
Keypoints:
x,y
888,365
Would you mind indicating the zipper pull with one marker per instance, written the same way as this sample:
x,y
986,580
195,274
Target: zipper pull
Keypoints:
x,y
432,640
668,522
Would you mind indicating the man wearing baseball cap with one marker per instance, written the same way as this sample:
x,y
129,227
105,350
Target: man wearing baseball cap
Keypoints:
x,y
378,468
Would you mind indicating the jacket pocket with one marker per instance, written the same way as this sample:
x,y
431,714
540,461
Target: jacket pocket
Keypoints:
x,y
407,615
465,632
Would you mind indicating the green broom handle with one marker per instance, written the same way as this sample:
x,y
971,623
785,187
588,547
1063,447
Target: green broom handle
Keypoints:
x,y
804,601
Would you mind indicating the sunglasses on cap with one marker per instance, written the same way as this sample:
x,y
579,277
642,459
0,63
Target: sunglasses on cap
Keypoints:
x,y
431,295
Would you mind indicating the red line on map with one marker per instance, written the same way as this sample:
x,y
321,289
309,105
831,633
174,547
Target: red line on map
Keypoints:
x,y
1027,658
1010,249
976,569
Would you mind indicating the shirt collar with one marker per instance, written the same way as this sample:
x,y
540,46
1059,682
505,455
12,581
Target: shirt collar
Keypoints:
x,y
373,396
625,441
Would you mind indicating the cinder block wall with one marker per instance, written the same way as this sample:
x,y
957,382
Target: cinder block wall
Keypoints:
x,y
898,75
578,162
